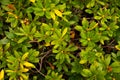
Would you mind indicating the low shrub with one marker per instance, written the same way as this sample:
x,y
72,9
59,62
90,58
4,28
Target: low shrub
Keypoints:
x,y
59,40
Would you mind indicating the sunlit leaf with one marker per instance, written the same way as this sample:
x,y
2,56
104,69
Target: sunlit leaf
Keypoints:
x,y
25,56
86,73
2,74
83,61
28,64
24,70
91,4
117,47
22,39
64,32
53,15
58,13
33,1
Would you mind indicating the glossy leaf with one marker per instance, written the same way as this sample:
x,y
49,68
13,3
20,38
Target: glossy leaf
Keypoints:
x,y
58,13
2,74
86,73
64,32
53,15
25,56
28,64
33,1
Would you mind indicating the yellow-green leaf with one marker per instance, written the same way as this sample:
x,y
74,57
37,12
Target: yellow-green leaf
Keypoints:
x,y
24,70
33,30
47,44
58,13
1,74
21,66
83,61
102,41
117,47
86,73
9,71
24,76
22,39
64,18
7,46
64,31
52,15
91,4
25,56
33,1
21,78
28,64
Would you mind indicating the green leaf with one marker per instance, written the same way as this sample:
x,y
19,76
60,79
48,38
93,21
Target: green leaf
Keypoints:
x,y
25,56
20,34
64,32
89,11
58,56
67,13
35,77
97,17
108,60
38,11
76,67
14,23
115,67
103,38
65,19
1,24
33,30
10,59
17,54
61,58
57,34
79,28
61,7
7,46
4,41
86,73
55,51
29,9
84,42
53,15
71,47
65,68
83,61
5,2
100,2
56,23
48,16
22,39
56,1
115,64
9,35
91,4
85,23
67,58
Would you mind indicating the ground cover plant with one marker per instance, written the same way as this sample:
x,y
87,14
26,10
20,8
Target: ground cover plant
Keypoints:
x,y
59,40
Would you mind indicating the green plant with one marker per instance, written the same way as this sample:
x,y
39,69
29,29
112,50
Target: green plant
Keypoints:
x,y
59,40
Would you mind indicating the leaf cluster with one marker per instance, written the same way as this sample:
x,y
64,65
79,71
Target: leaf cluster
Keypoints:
x,y
59,40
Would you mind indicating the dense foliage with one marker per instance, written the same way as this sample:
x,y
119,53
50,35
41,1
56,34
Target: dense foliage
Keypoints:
x,y
59,40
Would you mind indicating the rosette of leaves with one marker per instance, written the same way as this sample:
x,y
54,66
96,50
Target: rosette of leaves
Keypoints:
x,y
20,63
53,75
89,34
